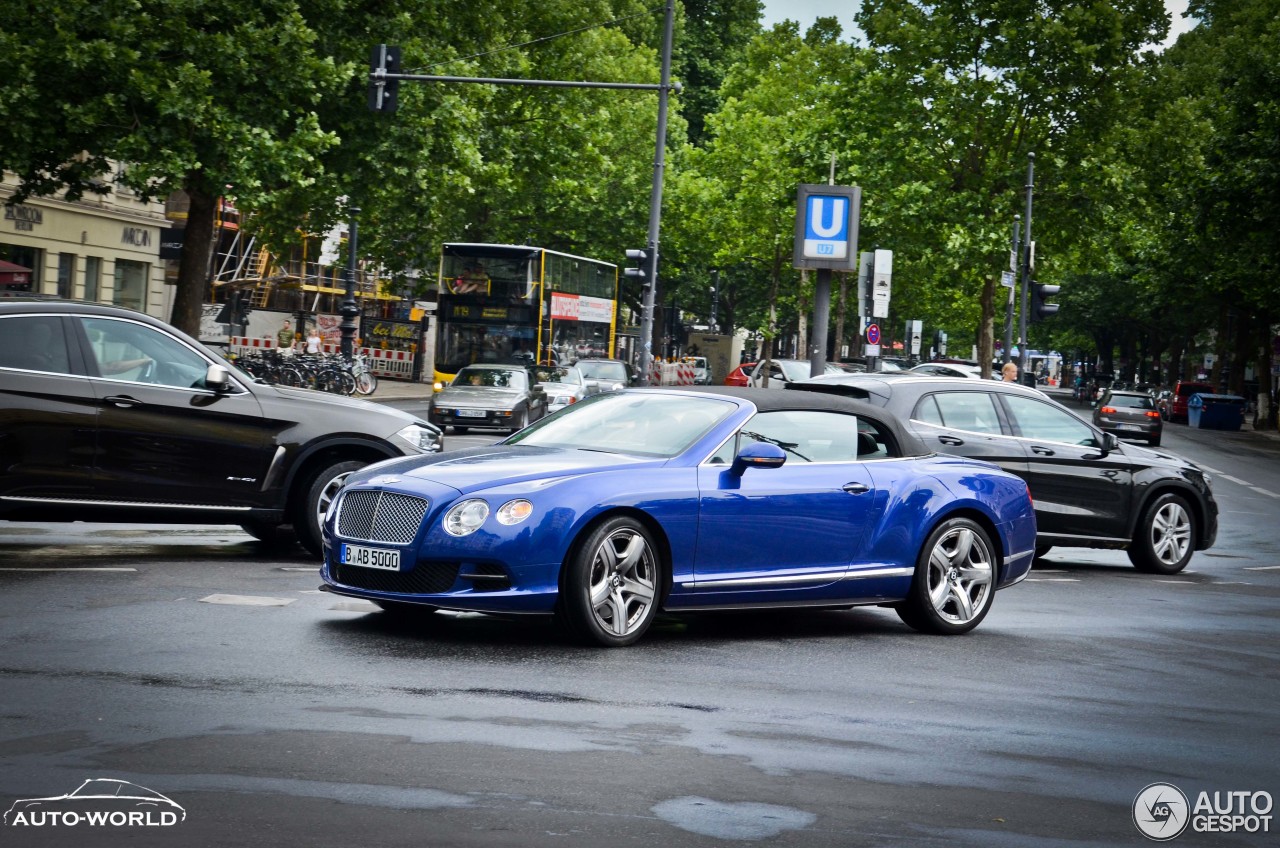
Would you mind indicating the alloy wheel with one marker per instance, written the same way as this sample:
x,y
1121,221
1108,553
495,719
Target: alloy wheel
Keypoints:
x,y
959,575
1170,533
623,577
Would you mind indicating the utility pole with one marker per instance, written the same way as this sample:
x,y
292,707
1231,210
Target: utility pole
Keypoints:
x,y
1008,310
350,309
1026,266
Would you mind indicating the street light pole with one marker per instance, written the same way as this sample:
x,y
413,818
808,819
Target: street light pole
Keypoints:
x,y
350,309
1008,310
655,201
1026,269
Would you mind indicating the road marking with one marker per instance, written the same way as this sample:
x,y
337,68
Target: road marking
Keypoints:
x,y
355,606
69,569
247,600
1262,568
1262,491
1179,582
1051,571
1234,479
1210,470
1051,580
299,568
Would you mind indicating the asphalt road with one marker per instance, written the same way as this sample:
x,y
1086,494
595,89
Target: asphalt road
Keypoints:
x,y
205,666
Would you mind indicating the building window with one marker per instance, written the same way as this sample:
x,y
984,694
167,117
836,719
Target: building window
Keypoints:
x,y
66,275
131,284
92,277
27,257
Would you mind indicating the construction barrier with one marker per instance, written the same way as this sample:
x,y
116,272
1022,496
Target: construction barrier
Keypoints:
x,y
671,374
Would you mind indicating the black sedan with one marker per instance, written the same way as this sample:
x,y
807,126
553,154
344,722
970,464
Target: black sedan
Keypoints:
x,y
1089,490
500,396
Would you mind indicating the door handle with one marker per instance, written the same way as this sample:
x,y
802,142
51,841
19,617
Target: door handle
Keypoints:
x,y
1042,451
123,401
856,488
951,440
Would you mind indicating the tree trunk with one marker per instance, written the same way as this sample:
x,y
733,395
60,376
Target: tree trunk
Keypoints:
x,y
193,268
837,350
986,341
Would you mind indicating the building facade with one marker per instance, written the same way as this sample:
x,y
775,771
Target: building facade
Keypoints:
x,y
102,249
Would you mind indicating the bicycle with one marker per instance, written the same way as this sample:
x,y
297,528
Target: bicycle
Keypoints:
x,y
366,382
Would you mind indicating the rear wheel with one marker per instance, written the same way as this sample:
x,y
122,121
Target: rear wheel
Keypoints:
x,y
612,584
1163,542
317,494
954,582
1154,441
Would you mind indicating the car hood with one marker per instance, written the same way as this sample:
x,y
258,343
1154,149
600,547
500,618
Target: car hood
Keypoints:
x,y
290,404
499,465
477,396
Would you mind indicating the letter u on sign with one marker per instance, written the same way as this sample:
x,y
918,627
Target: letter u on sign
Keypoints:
x,y
828,218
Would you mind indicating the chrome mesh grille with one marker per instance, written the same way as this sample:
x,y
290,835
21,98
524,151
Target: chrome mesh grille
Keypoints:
x,y
371,515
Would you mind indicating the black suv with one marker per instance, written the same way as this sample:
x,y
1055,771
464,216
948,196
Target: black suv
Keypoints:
x,y
107,414
1089,490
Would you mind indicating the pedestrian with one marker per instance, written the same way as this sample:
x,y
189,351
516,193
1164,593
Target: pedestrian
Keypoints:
x,y
314,341
1009,373
284,338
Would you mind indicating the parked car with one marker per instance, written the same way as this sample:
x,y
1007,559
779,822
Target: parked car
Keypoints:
x,y
1182,392
1089,490
686,499
502,396
783,371
561,385
606,375
1129,414
107,414
701,370
740,376
948,369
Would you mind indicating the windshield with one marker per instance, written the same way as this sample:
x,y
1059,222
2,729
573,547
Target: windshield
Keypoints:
x,y
553,374
638,423
494,377
600,370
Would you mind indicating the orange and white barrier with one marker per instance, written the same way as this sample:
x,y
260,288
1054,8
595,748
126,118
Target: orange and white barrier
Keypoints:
x,y
671,374
396,364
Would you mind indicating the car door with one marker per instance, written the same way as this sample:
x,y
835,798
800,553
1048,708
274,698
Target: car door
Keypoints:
x,y
791,530
969,424
1078,491
162,437
48,412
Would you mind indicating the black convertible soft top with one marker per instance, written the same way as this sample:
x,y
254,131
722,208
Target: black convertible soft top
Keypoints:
x,y
768,400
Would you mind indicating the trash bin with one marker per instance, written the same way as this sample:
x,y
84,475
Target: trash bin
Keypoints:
x,y
1219,412
1195,406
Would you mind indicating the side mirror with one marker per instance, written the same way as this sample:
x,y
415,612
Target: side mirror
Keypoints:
x,y
1110,442
217,378
758,455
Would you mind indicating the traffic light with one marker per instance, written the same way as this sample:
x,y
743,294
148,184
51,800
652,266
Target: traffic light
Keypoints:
x,y
641,270
1040,306
382,92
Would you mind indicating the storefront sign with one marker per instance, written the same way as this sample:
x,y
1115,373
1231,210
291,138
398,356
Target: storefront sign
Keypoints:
x,y
171,239
136,236
24,217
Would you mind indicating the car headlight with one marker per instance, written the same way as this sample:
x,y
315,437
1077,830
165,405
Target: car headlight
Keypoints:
x,y
466,518
513,512
422,438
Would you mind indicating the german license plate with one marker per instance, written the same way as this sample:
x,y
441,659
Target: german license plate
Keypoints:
x,y
1128,428
471,413
371,557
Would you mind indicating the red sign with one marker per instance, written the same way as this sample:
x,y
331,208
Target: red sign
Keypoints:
x,y
873,334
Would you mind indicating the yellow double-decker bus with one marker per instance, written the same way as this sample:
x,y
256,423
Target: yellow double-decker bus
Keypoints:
x,y
520,304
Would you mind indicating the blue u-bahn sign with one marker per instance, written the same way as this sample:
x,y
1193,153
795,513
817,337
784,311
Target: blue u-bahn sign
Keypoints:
x,y
827,226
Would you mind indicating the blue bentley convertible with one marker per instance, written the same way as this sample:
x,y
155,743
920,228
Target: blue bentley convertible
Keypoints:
x,y
643,500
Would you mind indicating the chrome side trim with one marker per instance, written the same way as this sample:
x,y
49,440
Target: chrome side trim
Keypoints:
x,y
134,504
814,577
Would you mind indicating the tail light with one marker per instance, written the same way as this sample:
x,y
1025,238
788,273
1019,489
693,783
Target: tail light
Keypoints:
x,y
1152,414
1108,410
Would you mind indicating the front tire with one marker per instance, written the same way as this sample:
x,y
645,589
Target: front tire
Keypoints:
x,y
1154,441
954,583
612,584
1163,542
318,493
